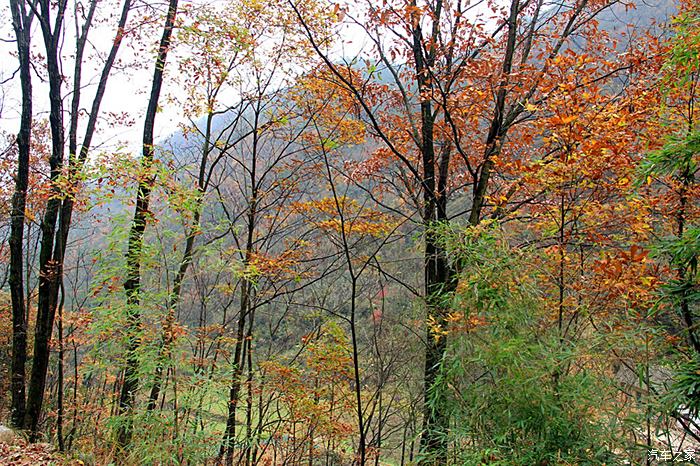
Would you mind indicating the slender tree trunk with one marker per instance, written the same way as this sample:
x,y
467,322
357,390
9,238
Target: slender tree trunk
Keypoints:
x,y
74,422
436,270
21,22
49,269
355,357
682,272
246,301
60,412
239,351
561,286
235,389
53,244
249,389
380,426
135,247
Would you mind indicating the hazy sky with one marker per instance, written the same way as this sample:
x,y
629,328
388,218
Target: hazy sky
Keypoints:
x,y
127,91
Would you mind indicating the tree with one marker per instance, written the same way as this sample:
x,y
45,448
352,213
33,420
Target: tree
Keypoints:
x,y
138,226
361,259
22,16
676,163
452,80
56,219
669,176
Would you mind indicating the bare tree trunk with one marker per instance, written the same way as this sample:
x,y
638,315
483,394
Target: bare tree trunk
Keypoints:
x,y
437,272
59,212
681,271
59,398
249,388
49,269
235,389
21,23
246,300
440,279
135,247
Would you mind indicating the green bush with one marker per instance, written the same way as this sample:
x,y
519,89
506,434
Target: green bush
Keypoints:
x,y
519,393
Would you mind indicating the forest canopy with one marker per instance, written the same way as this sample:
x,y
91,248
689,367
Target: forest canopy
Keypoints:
x,y
407,232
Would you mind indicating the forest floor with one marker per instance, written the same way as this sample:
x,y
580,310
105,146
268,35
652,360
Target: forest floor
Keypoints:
x,y
16,451
21,453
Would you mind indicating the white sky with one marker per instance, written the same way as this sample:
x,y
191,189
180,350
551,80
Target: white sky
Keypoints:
x,y
127,92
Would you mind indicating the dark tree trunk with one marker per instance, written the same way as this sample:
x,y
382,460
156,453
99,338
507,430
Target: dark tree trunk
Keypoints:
x,y
246,301
21,22
440,277
53,243
50,270
138,227
437,276
227,445
60,412
682,270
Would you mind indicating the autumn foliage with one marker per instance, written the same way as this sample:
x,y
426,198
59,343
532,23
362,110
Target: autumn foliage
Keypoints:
x,y
401,232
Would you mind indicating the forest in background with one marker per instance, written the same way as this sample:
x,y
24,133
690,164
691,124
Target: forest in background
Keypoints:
x,y
408,232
